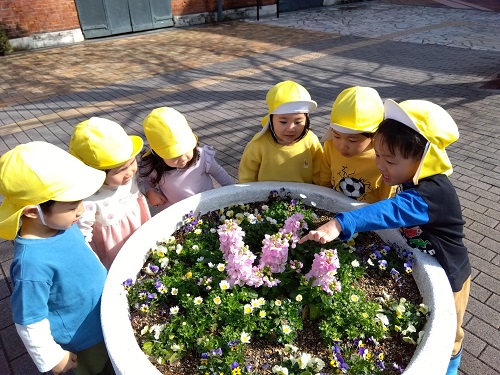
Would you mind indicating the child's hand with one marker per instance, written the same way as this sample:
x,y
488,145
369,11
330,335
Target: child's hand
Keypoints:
x,y
67,363
156,198
325,233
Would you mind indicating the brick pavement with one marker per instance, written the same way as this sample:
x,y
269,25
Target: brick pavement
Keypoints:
x,y
218,76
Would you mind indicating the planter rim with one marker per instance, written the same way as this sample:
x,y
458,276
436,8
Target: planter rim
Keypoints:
x,y
127,357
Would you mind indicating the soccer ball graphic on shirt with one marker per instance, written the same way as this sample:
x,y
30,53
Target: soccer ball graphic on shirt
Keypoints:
x,y
352,187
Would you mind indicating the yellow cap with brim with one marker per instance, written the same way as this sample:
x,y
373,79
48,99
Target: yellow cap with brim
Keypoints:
x,y
356,110
168,133
287,97
103,144
37,172
434,124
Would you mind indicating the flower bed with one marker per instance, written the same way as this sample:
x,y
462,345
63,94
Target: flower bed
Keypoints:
x,y
277,314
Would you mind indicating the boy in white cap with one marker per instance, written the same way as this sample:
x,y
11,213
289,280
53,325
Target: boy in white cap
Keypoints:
x,y
57,279
118,209
410,146
349,158
175,167
285,149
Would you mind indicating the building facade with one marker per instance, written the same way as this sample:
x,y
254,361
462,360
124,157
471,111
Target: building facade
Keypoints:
x,y
43,23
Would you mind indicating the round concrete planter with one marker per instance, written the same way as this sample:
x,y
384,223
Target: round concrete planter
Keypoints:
x,y
431,356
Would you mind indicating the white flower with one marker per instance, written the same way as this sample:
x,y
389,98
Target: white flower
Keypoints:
x,y
200,259
409,340
247,309
221,267
261,301
411,328
303,360
245,338
289,348
423,308
277,302
145,330
211,265
197,231
217,300
157,328
286,329
317,364
213,230
164,262
224,285
174,291
175,347
174,310
198,300
280,370
178,248
298,298
382,319
265,207
355,263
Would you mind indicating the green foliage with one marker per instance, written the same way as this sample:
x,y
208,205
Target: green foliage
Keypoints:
x,y
5,46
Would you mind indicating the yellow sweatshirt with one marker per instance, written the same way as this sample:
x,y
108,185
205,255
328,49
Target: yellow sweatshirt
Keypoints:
x,y
357,177
265,160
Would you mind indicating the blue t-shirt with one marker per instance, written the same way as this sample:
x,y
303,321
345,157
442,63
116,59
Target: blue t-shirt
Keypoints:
x,y
59,279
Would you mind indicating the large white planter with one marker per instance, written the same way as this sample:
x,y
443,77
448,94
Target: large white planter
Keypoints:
x,y
431,357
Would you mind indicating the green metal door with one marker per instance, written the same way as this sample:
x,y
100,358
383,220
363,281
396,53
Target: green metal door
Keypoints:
x,y
110,17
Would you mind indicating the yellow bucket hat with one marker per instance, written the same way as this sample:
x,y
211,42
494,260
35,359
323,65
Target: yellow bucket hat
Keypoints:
x,y
168,133
356,110
103,144
287,97
435,125
37,172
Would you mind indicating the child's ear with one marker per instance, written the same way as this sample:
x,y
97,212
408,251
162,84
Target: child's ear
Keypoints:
x,y
30,212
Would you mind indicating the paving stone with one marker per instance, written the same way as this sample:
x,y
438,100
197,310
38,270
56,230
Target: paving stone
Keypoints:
x,y
480,293
473,344
440,54
481,311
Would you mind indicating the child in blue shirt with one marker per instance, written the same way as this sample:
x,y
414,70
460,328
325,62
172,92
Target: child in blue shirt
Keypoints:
x,y
57,279
410,150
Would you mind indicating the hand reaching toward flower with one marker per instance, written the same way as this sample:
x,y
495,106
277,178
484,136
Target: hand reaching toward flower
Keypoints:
x,y
325,233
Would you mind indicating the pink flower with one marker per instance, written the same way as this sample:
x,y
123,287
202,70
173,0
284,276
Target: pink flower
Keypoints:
x,y
324,269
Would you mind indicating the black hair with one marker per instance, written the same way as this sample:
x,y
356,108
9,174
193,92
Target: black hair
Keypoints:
x,y
152,162
46,207
368,135
398,136
304,133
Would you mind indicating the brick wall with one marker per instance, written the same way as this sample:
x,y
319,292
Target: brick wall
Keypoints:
x,y
26,17
22,18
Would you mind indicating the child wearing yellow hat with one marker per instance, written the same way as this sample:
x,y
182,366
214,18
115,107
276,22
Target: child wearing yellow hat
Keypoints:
x,y
286,149
349,158
410,146
175,167
57,280
118,209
